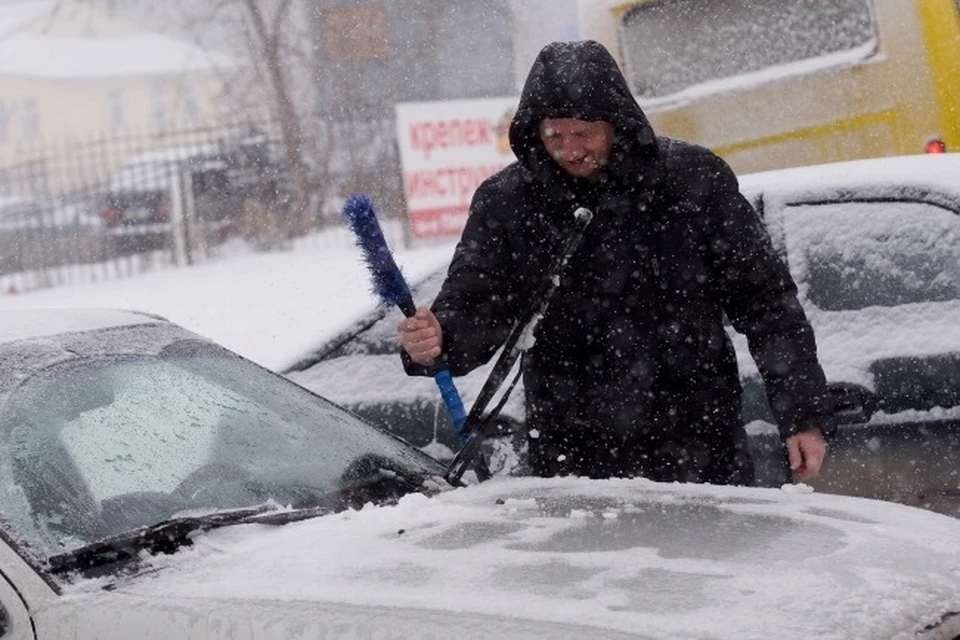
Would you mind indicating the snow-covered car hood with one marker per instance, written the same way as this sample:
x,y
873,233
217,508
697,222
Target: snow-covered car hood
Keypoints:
x,y
513,555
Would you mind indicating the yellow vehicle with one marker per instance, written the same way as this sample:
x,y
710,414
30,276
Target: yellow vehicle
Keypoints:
x,y
784,83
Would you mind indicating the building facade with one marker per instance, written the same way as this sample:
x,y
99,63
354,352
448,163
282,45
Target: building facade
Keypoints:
x,y
373,54
70,72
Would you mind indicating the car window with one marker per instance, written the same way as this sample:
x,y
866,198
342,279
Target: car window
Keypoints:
x,y
16,213
133,441
663,42
380,335
136,441
853,255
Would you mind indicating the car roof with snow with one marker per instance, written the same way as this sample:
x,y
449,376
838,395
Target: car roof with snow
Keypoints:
x,y
882,175
152,170
33,324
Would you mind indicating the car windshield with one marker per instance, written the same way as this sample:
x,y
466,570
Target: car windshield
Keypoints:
x,y
663,42
100,446
852,255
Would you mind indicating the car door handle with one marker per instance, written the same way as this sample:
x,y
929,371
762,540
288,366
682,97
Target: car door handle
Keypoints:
x,y
852,404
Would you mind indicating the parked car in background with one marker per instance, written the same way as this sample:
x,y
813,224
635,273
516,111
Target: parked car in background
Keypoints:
x,y
138,206
891,57
139,192
34,232
875,249
147,472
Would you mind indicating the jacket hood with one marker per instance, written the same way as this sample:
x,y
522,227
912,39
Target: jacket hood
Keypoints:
x,y
580,80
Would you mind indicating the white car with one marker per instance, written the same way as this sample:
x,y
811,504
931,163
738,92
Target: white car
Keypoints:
x,y
146,473
874,247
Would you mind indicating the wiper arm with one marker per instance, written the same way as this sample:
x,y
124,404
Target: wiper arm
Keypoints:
x,y
164,537
379,485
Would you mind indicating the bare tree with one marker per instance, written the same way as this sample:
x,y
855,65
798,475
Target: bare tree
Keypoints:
x,y
266,34
271,43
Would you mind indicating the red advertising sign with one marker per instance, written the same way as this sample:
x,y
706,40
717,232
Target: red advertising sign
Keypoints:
x,y
446,150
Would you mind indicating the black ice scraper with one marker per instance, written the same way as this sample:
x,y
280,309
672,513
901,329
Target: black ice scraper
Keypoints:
x,y
391,287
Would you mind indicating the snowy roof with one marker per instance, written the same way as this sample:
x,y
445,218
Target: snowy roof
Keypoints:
x,y
13,16
141,54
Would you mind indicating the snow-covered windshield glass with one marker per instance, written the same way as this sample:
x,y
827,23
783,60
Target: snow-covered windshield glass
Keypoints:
x,y
854,255
100,446
664,41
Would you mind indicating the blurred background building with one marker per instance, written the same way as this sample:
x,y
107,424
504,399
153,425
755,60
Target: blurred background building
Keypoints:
x,y
165,129
70,71
133,129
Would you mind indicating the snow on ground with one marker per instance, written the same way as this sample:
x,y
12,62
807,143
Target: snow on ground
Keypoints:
x,y
269,307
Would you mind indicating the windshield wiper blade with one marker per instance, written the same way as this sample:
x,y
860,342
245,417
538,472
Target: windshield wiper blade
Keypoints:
x,y
377,484
164,537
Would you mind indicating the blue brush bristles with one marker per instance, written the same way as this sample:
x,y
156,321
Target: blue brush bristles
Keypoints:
x,y
390,286
388,282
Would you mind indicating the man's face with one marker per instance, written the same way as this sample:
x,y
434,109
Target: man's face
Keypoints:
x,y
581,147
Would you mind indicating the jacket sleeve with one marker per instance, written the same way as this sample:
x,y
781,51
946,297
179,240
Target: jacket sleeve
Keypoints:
x,y
477,305
759,296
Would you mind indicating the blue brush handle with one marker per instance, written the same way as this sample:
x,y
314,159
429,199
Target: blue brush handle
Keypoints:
x,y
452,399
448,391
391,287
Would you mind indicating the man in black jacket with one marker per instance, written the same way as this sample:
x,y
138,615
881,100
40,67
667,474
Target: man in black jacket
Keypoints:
x,y
631,372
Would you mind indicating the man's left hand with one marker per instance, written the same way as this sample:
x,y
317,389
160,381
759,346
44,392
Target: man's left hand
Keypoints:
x,y
806,451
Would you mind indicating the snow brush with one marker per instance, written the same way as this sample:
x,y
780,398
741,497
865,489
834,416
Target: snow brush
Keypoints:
x,y
391,288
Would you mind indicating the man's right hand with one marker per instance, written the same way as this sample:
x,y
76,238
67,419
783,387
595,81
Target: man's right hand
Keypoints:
x,y
421,337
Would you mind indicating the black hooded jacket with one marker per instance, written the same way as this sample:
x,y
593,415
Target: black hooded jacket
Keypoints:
x,y
631,372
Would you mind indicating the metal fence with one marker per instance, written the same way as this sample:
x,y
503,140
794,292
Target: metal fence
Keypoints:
x,y
109,206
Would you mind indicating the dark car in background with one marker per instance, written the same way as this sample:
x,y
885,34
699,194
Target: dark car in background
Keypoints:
x,y
138,206
140,191
35,232
214,181
875,249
